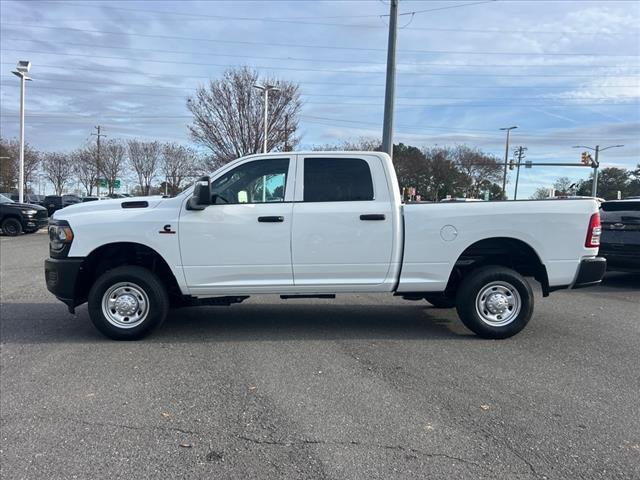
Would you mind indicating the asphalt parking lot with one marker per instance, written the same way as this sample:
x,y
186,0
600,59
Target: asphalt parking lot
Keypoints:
x,y
363,387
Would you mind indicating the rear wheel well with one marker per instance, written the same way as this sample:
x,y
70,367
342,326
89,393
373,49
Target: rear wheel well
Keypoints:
x,y
112,255
507,252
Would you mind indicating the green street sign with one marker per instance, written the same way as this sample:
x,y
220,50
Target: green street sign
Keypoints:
x,y
103,183
116,184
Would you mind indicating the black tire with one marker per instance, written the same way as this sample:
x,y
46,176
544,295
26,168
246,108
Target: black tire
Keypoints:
x,y
439,300
11,227
485,280
144,283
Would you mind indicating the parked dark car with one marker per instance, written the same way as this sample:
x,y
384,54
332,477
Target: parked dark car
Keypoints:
x,y
56,202
16,218
620,241
90,199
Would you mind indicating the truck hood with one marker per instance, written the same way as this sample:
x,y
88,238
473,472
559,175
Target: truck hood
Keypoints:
x,y
109,205
24,206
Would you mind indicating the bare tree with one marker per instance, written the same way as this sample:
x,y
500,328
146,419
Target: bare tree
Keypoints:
x,y
112,161
564,185
144,158
228,115
178,165
481,169
58,168
366,144
540,193
11,167
8,173
86,169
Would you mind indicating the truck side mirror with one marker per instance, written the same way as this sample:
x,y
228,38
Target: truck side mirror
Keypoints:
x,y
201,198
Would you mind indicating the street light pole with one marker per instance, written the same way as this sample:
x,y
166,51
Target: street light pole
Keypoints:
x,y
506,160
21,71
596,164
266,89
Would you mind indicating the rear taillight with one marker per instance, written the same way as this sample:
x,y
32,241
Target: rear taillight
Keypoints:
x,y
594,232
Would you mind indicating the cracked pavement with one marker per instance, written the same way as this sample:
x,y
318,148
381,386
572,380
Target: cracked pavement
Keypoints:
x,y
363,387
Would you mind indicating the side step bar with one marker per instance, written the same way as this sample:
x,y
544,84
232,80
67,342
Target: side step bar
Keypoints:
x,y
212,301
327,295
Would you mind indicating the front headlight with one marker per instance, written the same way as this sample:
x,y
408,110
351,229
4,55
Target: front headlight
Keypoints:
x,y
59,236
29,212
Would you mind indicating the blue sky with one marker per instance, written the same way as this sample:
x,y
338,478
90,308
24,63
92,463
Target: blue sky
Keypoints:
x,y
566,72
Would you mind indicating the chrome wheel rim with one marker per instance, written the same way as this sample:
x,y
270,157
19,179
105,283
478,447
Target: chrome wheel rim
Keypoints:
x,y
498,303
125,305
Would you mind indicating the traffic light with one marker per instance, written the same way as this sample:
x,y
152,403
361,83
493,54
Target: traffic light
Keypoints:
x,y
586,159
512,164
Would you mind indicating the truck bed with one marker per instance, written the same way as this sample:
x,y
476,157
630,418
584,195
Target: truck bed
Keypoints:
x,y
554,229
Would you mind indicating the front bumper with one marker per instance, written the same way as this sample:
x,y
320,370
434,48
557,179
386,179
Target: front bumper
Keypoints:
x,y
590,272
61,276
34,223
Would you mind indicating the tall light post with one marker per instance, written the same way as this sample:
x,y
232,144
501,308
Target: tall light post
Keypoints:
x,y
22,69
596,164
266,89
506,160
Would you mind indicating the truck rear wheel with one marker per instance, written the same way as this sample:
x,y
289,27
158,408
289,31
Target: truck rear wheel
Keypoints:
x,y
127,303
495,302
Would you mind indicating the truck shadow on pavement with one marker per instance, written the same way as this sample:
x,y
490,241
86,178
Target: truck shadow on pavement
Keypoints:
x,y
50,323
621,281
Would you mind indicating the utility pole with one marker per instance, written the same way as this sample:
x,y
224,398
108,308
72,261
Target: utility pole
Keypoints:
x,y
596,164
98,135
287,131
506,161
519,152
389,94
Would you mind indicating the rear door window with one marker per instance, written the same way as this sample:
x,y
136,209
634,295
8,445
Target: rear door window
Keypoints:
x,y
337,180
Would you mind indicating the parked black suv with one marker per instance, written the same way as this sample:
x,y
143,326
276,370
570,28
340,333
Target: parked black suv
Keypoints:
x,y
620,241
28,198
56,202
16,218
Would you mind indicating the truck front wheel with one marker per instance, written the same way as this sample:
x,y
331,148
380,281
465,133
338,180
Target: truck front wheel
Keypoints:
x,y
11,227
127,303
495,302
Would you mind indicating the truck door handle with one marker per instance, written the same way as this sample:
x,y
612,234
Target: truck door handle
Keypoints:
x,y
372,216
270,219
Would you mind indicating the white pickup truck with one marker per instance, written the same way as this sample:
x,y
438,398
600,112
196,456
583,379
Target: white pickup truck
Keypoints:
x,y
316,224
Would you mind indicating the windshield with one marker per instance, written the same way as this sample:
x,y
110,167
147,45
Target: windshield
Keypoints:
x,y
4,199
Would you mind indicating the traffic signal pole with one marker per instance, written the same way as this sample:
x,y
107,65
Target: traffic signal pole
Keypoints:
x,y
595,164
594,185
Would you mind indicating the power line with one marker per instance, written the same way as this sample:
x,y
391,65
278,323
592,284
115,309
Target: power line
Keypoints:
x,y
440,127
321,70
316,60
301,21
304,82
443,8
469,131
329,47
405,97
167,75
